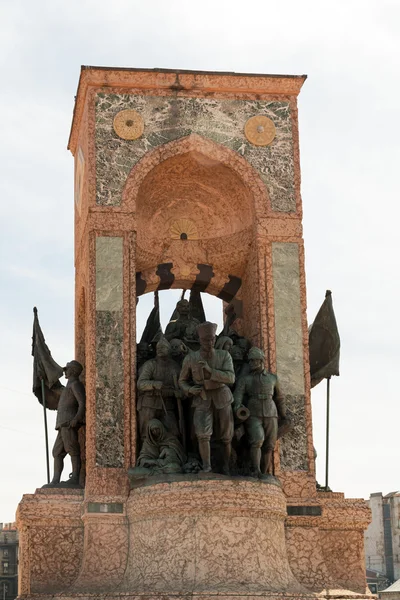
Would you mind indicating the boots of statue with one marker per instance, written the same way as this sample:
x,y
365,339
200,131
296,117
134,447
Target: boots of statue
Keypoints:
x,y
226,455
204,449
58,468
76,467
255,458
267,462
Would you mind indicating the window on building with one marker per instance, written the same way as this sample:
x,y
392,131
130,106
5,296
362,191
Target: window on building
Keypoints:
x,y
5,553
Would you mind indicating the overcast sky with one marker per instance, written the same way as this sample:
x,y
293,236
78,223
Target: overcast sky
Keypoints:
x,y
349,139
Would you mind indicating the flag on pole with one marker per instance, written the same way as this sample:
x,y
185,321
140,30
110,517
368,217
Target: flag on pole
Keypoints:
x,y
196,306
45,368
152,331
324,343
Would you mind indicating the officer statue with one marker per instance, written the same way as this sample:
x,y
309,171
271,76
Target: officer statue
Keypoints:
x,y
205,377
70,416
259,392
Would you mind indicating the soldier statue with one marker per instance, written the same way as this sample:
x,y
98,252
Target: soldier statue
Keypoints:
x,y
184,327
158,390
259,392
178,350
205,376
70,416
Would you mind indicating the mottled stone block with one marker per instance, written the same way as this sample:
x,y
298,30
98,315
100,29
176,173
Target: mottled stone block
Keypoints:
x,y
109,273
109,353
289,351
168,119
293,447
288,322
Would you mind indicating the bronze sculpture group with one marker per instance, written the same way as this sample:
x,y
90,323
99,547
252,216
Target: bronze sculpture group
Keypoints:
x,y
203,403
210,400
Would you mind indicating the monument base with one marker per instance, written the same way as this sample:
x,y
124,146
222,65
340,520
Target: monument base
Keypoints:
x,y
189,536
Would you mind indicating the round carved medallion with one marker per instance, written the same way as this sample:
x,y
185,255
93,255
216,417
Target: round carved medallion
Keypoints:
x,y
260,130
128,124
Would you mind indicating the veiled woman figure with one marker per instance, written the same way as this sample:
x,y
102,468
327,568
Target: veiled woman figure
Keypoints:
x,y
161,452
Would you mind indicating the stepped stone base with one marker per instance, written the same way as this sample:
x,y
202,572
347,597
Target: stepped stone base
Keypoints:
x,y
197,537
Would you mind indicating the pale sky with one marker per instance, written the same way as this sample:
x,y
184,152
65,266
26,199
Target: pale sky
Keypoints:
x,y
349,118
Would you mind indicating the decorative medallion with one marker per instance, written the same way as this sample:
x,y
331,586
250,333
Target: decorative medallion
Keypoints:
x,y
260,130
79,177
128,124
183,229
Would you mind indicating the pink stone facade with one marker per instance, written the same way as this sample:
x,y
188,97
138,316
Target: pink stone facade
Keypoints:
x,y
193,162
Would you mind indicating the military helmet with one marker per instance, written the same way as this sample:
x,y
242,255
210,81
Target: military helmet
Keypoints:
x,y
256,354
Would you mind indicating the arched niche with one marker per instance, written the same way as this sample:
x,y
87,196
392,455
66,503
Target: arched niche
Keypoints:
x,y
195,202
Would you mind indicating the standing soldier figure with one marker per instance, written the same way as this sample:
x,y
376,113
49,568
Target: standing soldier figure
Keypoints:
x,y
205,376
70,416
157,387
260,392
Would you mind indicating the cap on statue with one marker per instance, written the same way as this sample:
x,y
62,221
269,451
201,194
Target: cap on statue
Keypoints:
x,y
207,329
75,365
163,342
256,354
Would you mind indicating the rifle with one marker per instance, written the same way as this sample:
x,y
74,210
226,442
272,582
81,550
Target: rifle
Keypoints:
x,y
162,402
180,412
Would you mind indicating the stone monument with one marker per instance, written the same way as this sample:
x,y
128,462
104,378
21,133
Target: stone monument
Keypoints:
x,y
191,180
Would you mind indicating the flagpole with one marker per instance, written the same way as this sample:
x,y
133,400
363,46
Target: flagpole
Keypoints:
x,y
45,430
328,383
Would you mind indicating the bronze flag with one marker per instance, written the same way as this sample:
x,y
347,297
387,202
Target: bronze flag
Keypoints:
x,y
152,331
324,343
44,368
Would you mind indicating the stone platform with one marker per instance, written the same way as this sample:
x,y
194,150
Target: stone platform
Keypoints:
x,y
192,536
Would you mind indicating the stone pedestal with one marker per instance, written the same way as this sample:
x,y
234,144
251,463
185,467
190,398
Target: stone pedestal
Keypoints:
x,y
208,536
197,535
51,540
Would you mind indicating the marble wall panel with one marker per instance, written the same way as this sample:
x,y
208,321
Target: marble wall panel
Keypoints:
x,y
293,447
167,119
289,350
109,353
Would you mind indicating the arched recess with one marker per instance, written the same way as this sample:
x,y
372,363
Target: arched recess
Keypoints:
x,y
212,150
196,205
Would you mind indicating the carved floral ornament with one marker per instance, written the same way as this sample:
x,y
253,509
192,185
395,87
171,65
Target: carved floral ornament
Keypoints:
x,y
184,229
128,124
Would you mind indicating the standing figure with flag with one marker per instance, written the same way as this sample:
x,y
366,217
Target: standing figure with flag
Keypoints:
x,y
69,401
70,417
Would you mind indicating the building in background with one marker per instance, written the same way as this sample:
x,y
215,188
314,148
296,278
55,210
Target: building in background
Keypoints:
x,y
382,538
8,561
